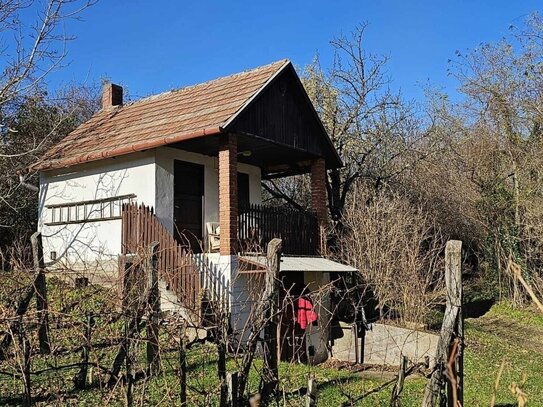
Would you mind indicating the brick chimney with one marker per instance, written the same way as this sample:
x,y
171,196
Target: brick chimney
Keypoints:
x,y
112,95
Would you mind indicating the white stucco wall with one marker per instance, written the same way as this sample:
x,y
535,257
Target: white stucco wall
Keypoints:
x,y
223,267
165,157
79,245
149,175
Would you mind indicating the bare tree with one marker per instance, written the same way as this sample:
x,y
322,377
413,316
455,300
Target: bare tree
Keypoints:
x,y
36,50
32,45
376,133
36,120
494,149
30,52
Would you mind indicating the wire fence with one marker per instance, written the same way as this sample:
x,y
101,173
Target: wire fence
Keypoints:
x,y
62,344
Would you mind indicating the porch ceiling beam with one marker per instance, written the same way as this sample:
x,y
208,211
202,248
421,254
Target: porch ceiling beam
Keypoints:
x,y
274,174
272,142
298,167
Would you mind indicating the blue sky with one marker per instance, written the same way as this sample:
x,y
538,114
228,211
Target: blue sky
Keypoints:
x,y
153,46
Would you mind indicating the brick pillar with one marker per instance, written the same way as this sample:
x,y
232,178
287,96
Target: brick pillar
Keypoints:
x,y
319,199
228,194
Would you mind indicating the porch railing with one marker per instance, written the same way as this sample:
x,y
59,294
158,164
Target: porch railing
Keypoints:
x,y
176,266
258,224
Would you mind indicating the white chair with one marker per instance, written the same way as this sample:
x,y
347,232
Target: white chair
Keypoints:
x,y
213,232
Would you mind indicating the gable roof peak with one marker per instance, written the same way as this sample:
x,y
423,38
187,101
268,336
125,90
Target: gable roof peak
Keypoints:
x,y
167,118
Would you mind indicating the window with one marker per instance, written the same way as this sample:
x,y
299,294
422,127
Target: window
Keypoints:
x,y
87,211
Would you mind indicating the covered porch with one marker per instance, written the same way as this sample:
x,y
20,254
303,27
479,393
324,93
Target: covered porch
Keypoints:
x,y
232,219
275,133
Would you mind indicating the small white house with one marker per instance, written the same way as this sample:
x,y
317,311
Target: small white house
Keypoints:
x,y
197,156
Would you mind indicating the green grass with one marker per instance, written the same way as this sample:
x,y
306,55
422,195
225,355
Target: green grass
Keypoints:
x,y
505,332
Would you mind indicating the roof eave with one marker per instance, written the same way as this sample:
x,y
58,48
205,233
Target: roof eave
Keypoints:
x,y
135,147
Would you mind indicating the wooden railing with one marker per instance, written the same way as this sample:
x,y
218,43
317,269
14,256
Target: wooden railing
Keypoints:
x,y
258,224
214,282
176,266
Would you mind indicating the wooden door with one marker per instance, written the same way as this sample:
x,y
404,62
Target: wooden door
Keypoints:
x,y
243,191
188,212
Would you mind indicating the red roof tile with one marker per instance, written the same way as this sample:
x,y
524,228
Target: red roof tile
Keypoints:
x,y
158,120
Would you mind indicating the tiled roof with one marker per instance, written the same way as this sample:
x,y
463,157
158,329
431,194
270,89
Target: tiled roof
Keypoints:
x,y
162,119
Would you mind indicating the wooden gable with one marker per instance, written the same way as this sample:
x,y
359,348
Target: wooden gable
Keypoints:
x,y
283,114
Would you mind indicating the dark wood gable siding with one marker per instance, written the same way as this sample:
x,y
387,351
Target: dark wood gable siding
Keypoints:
x,y
282,113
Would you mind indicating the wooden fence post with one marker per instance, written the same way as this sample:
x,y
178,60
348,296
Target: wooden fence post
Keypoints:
x,y
129,368
81,378
133,299
153,305
459,362
361,330
452,327
311,395
232,385
262,317
25,348
41,292
183,366
271,368
221,369
398,386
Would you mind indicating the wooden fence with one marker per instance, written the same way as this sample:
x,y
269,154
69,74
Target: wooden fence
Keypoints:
x,y
140,228
259,224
